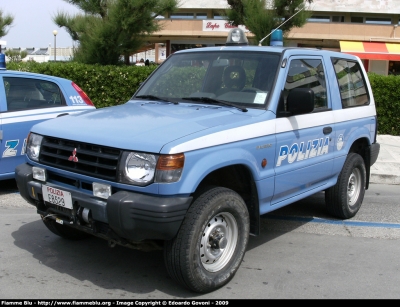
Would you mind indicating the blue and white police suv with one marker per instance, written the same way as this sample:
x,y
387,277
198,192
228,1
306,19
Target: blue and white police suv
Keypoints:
x,y
27,99
213,139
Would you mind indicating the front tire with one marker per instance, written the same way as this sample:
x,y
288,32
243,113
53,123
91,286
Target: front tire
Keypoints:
x,y
211,243
344,199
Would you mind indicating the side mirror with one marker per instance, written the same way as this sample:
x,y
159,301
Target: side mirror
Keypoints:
x,y
300,101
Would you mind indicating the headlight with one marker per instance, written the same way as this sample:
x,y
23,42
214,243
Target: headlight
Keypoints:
x,y
33,146
142,168
138,168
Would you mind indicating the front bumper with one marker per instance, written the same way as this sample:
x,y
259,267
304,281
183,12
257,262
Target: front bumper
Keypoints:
x,y
125,215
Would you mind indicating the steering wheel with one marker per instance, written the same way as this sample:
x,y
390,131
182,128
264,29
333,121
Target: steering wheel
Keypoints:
x,y
234,77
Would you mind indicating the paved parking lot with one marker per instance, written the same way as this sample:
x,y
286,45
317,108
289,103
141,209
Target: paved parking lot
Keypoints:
x,y
301,253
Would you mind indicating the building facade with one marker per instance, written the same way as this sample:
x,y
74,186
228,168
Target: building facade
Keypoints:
x,y
46,54
365,28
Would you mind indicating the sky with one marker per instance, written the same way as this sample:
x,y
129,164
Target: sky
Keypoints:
x,y
33,25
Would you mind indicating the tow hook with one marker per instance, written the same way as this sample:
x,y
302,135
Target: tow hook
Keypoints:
x,y
48,215
112,243
56,218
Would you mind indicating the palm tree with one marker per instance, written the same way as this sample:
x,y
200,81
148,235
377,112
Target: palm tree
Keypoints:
x,y
5,23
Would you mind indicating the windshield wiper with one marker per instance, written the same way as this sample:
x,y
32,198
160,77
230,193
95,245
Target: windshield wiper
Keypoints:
x,y
212,100
152,97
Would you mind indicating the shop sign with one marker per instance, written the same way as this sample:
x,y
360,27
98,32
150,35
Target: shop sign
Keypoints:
x,y
220,26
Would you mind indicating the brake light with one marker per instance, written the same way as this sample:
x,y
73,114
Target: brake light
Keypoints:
x,y
81,93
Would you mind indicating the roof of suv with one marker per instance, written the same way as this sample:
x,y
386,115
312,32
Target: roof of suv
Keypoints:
x,y
274,49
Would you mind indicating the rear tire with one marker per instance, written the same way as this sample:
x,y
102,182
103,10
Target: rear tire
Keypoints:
x,y
211,243
344,199
65,231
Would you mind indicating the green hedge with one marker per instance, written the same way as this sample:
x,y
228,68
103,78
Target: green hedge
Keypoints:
x,y
113,85
386,91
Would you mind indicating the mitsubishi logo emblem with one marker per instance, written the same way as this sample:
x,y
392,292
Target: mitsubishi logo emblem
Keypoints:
x,y
73,158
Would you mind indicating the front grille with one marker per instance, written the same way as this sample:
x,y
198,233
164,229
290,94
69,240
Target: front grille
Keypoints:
x,y
92,160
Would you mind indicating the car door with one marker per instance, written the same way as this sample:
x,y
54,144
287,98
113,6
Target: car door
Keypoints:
x,y
304,151
25,101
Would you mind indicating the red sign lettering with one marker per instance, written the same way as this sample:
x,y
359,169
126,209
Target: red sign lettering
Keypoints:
x,y
55,191
212,26
229,26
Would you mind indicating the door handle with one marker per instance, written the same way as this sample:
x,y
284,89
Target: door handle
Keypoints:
x,y
327,130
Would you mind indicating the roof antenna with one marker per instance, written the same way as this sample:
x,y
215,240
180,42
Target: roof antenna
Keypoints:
x,y
260,42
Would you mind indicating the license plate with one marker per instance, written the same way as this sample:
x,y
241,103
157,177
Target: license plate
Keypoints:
x,y
57,197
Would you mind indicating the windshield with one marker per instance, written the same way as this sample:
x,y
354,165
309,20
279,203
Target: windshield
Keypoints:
x,y
239,77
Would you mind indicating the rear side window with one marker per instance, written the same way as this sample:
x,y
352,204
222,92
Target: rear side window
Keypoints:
x,y
351,83
28,93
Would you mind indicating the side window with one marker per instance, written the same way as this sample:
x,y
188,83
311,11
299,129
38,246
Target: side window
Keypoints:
x,y
308,73
26,93
351,83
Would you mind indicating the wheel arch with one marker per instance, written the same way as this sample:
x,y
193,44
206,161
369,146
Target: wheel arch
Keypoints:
x,y
362,146
239,178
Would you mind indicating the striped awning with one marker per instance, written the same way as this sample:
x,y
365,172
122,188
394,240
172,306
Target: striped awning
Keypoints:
x,y
371,50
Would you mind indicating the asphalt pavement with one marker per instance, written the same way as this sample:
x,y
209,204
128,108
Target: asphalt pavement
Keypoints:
x,y
386,169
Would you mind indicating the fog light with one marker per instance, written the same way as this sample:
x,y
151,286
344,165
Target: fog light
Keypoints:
x,y
39,173
101,190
